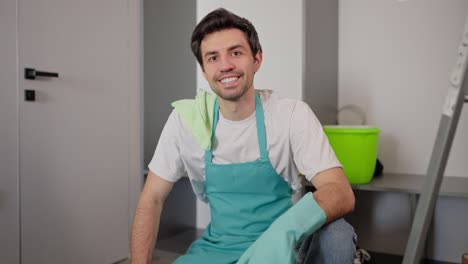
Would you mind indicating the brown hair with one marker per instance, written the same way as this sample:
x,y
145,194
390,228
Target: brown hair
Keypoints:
x,y
218,20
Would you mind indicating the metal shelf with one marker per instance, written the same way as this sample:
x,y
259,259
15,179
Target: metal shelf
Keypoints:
x,y
412,183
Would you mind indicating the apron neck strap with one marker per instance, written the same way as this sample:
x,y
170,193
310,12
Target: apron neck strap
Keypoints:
x,y
261,132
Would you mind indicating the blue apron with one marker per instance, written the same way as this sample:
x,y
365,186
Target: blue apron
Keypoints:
x,y
244,198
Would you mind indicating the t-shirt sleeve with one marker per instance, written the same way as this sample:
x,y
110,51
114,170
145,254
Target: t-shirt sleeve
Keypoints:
x,y
311,150
166,161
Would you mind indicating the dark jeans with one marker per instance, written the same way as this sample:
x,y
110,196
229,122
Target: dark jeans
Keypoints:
x,y
332,244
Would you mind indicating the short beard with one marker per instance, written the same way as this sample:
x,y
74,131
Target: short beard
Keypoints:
x,y
231,97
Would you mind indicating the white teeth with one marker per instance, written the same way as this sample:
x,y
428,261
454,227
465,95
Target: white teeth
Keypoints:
x,y
230,79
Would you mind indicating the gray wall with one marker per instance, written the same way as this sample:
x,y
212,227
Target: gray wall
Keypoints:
x,y
170,75
9,174
320,89
169,66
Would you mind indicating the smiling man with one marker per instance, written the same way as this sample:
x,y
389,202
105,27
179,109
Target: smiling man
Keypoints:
x,y
229,65
245,152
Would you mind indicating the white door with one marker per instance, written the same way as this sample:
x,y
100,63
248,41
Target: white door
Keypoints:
x,y
74,137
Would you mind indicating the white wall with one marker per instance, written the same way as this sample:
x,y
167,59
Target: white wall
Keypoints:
x,y
280,29
395,58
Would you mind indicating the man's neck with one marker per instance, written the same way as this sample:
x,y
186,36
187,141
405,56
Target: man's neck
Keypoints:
x,y
240,109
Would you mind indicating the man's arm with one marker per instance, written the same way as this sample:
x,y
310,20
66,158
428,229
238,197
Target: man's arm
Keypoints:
x,y
147,215
334,194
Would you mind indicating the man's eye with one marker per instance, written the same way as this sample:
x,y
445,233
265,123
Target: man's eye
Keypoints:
x,y
236,53
213,58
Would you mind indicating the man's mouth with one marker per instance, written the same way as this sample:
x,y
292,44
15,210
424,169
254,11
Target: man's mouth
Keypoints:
x,y
229,79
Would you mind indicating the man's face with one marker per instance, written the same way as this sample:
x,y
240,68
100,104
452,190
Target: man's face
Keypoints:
x,y
228,63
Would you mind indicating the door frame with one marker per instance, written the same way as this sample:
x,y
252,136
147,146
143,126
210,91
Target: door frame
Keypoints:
x,y
136,71
9,135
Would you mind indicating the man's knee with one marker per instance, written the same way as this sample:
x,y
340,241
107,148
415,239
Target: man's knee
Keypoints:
x,y
338,230
334,243
338,240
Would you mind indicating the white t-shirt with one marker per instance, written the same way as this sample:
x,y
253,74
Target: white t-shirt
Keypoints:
x,y
296,144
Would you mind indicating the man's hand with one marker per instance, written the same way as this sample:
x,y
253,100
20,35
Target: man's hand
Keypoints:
x,y
276,244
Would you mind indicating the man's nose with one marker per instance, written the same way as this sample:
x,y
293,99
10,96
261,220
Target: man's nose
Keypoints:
x,y
226,64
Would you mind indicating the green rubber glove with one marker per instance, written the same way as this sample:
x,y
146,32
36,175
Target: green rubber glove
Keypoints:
x,y
276,244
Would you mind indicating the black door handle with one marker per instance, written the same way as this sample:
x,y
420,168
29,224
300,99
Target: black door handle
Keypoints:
x,y
31,73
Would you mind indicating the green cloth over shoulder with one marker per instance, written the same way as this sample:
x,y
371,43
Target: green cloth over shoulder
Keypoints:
x,y
197,114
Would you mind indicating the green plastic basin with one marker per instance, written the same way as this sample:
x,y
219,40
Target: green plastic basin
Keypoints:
x,y
356,149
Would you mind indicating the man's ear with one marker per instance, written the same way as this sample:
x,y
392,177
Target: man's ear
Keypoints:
x,y
258,60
